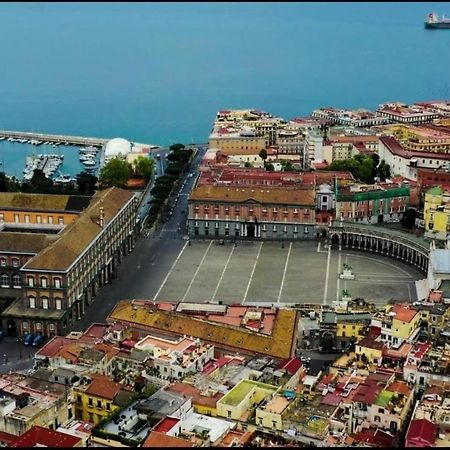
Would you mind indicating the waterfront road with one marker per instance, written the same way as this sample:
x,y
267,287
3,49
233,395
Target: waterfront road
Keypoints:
x,y
141,272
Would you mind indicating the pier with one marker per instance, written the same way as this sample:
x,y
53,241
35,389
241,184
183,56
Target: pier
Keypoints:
x,y
54,138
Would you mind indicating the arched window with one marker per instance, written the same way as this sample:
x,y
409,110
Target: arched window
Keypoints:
x,y
3,262
15,262
4,280
32,301
44,303
57,282
58,303
38,326
44,282
17,282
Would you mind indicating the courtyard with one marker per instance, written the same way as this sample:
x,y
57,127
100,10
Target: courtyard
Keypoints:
x,y
257,273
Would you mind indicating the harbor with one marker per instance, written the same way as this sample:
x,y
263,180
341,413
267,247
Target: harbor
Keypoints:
x,y
61,158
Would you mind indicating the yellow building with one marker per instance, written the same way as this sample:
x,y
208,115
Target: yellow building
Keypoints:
x,y
350,330
369,350
94,398
269,414
436,213
16,207
237,403
421,138
237,143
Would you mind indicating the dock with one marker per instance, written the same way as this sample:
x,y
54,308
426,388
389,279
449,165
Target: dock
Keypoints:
x,y
53,138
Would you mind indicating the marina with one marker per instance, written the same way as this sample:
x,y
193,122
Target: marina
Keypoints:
x,y
60,160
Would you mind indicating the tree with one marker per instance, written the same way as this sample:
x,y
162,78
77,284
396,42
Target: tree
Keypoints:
x,y
409,218
287,166
176,147
40,183
248,164
270,167
144,167
384,170
115,172
86,183
263,155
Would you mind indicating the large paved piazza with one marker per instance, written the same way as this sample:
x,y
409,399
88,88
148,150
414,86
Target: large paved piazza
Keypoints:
x,y
265,272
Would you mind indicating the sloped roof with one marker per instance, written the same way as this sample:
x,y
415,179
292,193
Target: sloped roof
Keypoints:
x,y
31,243
422,429
103,387
268,195
44,437
155,439
35,202
80,233
279,344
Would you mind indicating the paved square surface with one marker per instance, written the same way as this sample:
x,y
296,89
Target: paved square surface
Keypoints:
x,y
266,272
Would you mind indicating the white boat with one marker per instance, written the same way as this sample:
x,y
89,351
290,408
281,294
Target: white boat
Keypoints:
x,y
89,163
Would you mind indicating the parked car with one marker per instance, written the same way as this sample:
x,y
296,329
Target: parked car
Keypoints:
x,y
28,339
38,340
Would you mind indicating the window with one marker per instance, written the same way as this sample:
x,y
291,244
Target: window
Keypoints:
x,y
38,326
58,303
16,218
61,220
79,399
30,282
44,303
99,403
32,301
4,280
38,219
57,282
377,419
3,262
16,281
274,228
50,219
27,218
15,262
44,282
108,406
90,402
25,325
2,217
51,327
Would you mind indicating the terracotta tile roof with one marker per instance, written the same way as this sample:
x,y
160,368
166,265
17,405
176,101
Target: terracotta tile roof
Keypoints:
x,y
6,438
400,387
31,243
279,344
43,437
375,437
268,195
422,430
403,313
291,365
195,394
79,234
397,149
370,342
155,439
103,387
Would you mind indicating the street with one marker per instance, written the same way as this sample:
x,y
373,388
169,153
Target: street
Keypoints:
x,y
154,254
14,355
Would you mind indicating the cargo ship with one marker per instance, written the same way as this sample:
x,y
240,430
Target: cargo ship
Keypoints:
x,y
433,21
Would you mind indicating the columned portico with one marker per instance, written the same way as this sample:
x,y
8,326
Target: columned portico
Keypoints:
x,y
361,238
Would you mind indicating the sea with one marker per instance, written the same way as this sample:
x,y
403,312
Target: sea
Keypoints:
x,y
157,73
